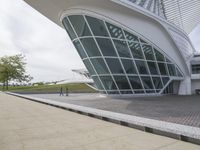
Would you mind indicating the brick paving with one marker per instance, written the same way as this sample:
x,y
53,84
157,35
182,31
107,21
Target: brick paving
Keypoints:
x,y
176,109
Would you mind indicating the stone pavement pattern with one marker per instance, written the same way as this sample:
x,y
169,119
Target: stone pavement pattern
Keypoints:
x,y
27,125
183,110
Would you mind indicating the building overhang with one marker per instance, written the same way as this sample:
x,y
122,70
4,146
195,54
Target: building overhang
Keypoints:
x,y
138,21
53,9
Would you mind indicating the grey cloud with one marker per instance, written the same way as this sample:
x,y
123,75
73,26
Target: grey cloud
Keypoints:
x,y
50,54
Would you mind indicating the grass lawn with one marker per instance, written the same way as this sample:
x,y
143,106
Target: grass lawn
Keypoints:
x,y
72,88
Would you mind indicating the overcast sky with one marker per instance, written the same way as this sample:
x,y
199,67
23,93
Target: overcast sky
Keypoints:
x,y
49,53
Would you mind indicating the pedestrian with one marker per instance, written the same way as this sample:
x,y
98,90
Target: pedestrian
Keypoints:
x,y
61,91
67,91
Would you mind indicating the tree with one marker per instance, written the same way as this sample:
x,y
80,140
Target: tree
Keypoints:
x,y
12,68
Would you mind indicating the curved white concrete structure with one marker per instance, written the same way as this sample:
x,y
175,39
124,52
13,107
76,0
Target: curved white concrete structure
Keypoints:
x,y
128,46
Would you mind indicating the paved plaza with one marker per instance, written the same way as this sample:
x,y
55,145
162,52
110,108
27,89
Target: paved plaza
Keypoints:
x,y
183,110
27,125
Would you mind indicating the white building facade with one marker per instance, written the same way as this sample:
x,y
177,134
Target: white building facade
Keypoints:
x,y
129,47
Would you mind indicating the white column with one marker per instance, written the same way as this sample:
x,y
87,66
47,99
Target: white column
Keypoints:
x,y
185,87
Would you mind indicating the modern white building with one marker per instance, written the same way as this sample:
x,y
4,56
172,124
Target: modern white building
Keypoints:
x,y
132,47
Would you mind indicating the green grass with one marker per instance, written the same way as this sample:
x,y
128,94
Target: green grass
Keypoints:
x,y
73,88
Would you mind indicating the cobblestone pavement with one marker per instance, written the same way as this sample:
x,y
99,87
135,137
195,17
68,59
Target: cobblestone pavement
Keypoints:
x,y
176,109
27,125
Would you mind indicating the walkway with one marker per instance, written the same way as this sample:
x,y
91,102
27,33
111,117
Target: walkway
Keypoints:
x,y
27,125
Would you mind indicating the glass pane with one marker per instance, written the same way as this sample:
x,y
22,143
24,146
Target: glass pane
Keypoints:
x,y
115,31
89,67
195,69
157,82
152,68
165,80
141,67
136,50
97,83
142,2
142,41
80,25
113,92
129,66
179,73
79,48
122,48
130,37
114,65
150,91
162,68
90,47
97,26
99,65
172,69
167,60
139,92
122,82
126,92
135,82
68,28
157,91
147,82
106,47
108,83
148,52
159,56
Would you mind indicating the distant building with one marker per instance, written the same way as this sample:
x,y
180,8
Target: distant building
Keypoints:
x,y
132,47
82,72
89,81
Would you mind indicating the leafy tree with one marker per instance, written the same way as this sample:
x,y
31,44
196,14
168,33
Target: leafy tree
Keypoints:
x,y
12,68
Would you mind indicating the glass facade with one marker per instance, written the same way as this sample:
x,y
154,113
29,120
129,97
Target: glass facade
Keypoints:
x,y
119,61
195,69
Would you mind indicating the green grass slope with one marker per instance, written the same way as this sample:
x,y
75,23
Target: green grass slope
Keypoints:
x,y
72,88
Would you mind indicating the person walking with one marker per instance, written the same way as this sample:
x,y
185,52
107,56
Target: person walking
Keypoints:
x,y
61,91
67,91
